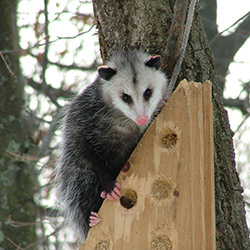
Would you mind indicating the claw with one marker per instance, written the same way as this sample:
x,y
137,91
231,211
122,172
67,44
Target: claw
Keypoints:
x,y
94,219
114,194
103,194
117,184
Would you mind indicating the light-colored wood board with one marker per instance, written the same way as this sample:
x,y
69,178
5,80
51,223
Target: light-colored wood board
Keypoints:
x,y
173,178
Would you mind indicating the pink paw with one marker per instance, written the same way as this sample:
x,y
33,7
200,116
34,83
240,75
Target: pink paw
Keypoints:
x,y
114,194
94,219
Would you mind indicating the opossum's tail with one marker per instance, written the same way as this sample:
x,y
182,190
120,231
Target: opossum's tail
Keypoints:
x,y
78,194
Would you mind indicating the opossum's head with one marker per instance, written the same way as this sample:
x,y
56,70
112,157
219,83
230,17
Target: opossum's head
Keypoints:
x,y
134,84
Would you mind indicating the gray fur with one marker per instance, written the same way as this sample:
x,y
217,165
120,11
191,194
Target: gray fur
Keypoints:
x,y
98,139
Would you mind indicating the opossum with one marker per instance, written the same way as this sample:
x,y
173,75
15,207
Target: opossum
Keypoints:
x,y
100,130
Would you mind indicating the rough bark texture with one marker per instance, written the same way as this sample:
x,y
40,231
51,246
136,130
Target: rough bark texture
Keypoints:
x,y
16,174
145,24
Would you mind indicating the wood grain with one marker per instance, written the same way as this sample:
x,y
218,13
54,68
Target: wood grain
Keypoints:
x,y
170,180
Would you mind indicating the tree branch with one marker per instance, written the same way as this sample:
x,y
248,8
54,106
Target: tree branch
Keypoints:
x,y
49,135
44,85
227,46
52,91
242,123
7,66
241,28
241,104
39,43
92,67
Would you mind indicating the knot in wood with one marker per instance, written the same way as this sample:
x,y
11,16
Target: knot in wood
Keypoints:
x,y
161,242
169,140
161,188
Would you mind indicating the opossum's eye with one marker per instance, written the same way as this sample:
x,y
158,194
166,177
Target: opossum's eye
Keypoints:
x,y
147,94
127,98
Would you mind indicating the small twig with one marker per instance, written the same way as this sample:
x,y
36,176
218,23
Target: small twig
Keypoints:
x,y
92,67
14,244
37,243
18,224
46,48
8,67
45,238
21,157
49,135
38,44
82,33
242,122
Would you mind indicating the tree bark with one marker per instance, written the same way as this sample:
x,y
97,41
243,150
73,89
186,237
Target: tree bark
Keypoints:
x,y
145,24
16,172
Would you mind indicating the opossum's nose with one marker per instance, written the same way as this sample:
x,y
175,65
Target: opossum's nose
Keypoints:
x,y
142,120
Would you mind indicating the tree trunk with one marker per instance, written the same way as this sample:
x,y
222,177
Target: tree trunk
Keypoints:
x,y
145,24
16,173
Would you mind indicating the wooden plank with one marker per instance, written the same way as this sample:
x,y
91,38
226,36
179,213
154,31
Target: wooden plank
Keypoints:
x,y
170,180
209,166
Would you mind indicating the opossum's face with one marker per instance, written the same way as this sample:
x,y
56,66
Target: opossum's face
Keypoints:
x,y
137,88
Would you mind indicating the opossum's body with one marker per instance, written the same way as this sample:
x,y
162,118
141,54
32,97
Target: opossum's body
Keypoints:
x,y
100,130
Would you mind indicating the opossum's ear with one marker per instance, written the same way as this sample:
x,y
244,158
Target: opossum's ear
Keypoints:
x,y
106,72
154,62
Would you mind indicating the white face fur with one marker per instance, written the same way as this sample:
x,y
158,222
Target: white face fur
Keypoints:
x,y
135,89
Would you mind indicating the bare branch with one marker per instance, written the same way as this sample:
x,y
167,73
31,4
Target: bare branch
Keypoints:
x,y
7,66
47,212
45,57
241,104
20,157
39,44
44,85
14,244
49,135
20,224
235,23
92,67
52,91
39,242
81,33
227,46
242,122
45,238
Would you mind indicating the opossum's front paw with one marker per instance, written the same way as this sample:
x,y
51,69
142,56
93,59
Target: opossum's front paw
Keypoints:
x,y
115,193
94,219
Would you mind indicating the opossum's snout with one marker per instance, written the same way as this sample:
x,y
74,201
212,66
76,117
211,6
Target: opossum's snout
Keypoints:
x,y
142,120
141,112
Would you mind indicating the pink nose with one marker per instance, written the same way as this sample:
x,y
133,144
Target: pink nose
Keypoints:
x,y
142,120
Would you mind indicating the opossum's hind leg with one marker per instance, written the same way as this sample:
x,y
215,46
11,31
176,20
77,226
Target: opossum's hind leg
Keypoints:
x,y
114,194
94,219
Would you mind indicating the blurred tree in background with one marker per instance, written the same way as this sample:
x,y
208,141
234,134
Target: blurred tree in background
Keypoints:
x,y
17,166
58,52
